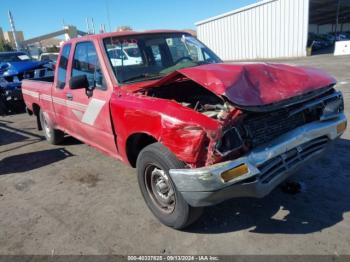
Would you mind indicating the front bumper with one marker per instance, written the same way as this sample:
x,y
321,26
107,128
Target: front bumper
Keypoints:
x,y
268,166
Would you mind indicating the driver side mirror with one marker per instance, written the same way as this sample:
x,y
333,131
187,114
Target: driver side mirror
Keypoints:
x,y
80,82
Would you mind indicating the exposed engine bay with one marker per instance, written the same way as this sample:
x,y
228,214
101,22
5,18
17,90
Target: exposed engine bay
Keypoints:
x,y
194,96
252,128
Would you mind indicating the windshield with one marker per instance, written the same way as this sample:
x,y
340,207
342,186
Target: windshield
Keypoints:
x,y
140,58
13,57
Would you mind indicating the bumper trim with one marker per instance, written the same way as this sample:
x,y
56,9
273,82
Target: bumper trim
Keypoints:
x,y
204,186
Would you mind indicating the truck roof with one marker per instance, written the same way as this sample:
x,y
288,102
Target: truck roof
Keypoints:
x,y
124,33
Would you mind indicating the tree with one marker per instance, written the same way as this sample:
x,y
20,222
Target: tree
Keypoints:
x,y
5,47
124,28
52,49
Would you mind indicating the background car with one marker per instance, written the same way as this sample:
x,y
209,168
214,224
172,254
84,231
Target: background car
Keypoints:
x,y
14,67
50,57
124,56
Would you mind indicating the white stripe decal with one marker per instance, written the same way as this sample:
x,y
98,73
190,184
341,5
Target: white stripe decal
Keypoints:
x,y
46,97
78,114
92,111
68,103
57,100
30,93
75,105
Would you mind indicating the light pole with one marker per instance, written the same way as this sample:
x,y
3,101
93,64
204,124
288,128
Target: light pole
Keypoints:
x,y
13,28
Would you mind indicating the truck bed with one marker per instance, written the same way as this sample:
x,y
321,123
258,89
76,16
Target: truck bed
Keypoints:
x,y
35,90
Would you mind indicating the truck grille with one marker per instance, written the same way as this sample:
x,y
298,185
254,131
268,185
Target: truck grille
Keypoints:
x,y
260,129
290,159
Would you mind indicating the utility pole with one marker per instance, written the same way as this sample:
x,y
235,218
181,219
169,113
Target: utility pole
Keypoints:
x,y
13,28
93,25
88,25
337,23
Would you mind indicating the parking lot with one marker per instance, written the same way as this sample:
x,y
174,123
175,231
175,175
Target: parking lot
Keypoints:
x,y
71,199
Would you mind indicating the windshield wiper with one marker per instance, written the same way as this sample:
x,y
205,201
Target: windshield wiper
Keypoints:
x,y
179,66
145,76
204,63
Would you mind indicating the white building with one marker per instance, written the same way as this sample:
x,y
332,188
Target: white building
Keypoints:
x,y
272,28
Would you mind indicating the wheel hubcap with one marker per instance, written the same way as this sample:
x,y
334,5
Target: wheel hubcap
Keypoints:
x,y
46,127
160,189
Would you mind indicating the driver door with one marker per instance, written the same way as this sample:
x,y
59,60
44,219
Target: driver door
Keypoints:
x,y
89,114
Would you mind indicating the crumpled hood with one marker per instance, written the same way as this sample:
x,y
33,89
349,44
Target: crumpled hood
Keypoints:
x,y
14,68
249,84
257,84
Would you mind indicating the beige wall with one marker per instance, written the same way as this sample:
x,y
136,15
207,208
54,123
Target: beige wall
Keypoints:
x,y
9,37
1,35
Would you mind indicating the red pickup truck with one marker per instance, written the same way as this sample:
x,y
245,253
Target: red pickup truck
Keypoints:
x,y
199,131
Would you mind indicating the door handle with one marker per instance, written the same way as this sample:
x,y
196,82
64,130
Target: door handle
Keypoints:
x,y
69,96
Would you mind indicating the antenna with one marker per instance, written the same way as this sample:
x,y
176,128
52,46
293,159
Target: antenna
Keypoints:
x,y
87,25
13,28
93,25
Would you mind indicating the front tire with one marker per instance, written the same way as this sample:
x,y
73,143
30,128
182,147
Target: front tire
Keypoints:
x,y
159,191
53,136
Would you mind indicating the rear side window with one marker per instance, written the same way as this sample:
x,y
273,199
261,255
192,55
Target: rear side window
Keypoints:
x,y
62,67
86,62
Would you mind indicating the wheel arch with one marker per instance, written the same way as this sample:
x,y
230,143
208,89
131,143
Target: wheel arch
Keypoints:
x,y
135,143
36,112
36,109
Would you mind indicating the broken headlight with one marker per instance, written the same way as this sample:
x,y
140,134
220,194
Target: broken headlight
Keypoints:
x,y
230,141
333,107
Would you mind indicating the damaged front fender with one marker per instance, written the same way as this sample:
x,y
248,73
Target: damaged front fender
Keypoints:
x,y
191,136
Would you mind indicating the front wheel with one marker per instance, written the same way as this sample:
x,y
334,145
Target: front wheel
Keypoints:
x,y
158,190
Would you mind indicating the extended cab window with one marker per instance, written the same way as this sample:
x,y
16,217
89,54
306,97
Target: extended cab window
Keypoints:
x,y
62,67
86,62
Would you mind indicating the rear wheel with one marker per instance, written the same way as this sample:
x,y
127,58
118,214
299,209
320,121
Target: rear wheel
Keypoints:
x,y
52,135
159,191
